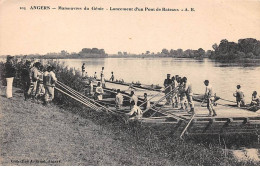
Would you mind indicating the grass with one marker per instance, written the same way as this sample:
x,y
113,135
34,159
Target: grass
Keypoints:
x,y
78,136
70,134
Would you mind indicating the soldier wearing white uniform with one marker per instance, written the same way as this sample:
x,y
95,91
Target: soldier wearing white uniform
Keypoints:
x,y
135,111
99,92
133,98
189,94
119,99
210,97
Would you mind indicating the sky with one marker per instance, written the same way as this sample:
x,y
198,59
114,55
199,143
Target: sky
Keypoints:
x,y
42,31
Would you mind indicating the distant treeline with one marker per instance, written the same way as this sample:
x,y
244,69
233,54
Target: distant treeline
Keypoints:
x,y
245,49
248,48
84,53
179,53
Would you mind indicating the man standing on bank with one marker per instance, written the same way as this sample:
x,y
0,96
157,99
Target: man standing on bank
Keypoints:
x,y
9,75
210,97
49,80
25,77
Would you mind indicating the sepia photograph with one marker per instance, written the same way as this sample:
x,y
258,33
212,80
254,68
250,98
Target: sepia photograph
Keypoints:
x,y
129,83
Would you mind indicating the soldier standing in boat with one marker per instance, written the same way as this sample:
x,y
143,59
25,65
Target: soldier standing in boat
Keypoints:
x,y
99,92
168,88
83,70
133,98
95,75
255,99
239,94
189,94
175,94
102,78
178,80
146,102
182,96
102,72
112,77
210,97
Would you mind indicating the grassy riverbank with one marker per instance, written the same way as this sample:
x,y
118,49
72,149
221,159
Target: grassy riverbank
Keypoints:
x,y
77,136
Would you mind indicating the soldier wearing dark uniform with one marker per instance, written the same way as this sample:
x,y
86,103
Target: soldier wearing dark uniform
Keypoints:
x,y
168,88
25,77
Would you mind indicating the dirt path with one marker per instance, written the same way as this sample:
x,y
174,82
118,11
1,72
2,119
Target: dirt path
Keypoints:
x,y
32,134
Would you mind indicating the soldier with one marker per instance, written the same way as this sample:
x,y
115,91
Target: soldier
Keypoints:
x,y
95,75
239,94
83,70
135,111
99,92
210,97
34,79
40,87
119,99
147,103
112,77
9,75
133,98
189,94
25,77
168,88
49,80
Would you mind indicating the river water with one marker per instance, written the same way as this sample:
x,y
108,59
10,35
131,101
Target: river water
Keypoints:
x,y
223,77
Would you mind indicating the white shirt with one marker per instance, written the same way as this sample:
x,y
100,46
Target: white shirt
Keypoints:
x,y
99,91
209,91
119,99
135,110
134,98
188,88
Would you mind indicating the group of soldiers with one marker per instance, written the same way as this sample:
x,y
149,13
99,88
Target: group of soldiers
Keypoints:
x,y
178,90
37,82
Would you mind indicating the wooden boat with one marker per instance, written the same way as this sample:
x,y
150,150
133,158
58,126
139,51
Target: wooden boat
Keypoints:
x,y
229,119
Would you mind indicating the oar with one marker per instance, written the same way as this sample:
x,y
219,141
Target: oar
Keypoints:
x,y
154,96
182,133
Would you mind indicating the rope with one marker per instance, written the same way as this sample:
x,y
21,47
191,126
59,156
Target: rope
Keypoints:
x,y
176,88
74,98
153,96
79,97
90,99
228,100
157,111
90,105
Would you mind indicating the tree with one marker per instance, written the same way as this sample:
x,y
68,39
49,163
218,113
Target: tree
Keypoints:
x,y
64,52
201,52
102,51
179,52
147,52
86,50
119,53
95,50
165,51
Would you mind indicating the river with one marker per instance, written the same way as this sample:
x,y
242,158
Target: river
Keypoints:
x,y
223,76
